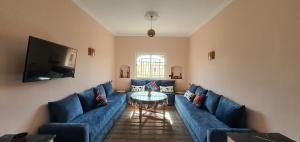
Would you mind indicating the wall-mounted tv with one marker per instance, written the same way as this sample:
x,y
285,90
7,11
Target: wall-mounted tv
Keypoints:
x,y
46,60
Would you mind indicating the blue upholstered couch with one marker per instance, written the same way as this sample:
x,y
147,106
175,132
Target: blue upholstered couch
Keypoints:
x,y
213,119
77,119
171,96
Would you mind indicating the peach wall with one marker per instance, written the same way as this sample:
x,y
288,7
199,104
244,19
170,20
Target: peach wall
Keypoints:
x,y
22,105
175,49
257,61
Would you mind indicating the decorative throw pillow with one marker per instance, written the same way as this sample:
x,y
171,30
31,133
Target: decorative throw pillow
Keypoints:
x,y
137,88
198,101
100,99
189,95
193,88
152,86
108,88
166,89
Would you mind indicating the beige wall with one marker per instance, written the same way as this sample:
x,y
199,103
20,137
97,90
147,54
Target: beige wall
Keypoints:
x,y
175,49
22,105
257,61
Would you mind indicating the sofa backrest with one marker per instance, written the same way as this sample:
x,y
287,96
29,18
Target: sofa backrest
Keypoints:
x,y
141,82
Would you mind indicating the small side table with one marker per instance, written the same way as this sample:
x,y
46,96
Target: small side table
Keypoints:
x,y
257,137
29,138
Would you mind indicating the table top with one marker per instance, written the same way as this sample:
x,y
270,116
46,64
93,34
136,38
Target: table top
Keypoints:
x,y
258,137
143,96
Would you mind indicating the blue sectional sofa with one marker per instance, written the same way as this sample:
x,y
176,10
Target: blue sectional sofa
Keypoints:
x,y
76,119
213,119
140,82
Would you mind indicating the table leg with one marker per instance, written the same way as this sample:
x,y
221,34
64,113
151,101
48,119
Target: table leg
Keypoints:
x,y
164,109
140,110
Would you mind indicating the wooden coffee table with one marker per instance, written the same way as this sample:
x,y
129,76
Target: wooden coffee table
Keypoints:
x,y
143,101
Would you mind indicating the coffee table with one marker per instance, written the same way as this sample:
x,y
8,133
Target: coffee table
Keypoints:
x,y
143,101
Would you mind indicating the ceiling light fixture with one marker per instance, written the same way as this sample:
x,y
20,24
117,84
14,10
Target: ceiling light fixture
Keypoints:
x,y
152,16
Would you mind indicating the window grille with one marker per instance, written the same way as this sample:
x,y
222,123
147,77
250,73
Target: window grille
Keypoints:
x,y
150,66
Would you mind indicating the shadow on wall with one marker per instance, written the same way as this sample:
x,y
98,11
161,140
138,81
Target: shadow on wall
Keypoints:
x,y
258,118
39,117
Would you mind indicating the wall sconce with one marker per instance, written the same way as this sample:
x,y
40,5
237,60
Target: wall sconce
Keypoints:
x,y
211,55
91,51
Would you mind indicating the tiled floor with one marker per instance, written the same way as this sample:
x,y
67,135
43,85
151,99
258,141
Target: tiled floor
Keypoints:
x,y
128,128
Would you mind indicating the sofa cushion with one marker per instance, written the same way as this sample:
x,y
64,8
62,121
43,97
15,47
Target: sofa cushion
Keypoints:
x,y
198,101
165,82
200,91
137,88
211,101
137,82
166,89
100,99
193,88
231,113
87,99
189,95
101,90
108,88
65,110
151,86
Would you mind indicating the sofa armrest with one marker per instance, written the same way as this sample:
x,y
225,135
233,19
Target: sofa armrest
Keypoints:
x,y
219,134
66,132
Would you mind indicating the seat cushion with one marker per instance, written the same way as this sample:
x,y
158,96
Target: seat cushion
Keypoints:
x,y
108,88
87,99
231,113
211,102
198,120
65,110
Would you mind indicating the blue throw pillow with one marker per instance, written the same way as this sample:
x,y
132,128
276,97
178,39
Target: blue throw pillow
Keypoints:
x,y
193,88
87,99
65,110
200,91
211,101
231,113
108,88
101,90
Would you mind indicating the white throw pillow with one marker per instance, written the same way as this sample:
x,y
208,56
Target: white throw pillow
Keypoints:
x,y
189,95
137,88
166,89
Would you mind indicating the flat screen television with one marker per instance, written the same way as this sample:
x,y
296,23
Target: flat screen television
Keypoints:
x,y
46,60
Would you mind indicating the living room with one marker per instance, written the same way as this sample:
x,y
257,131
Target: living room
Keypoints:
x,y
243,50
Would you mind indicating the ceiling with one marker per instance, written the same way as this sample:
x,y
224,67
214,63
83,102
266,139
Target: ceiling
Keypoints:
x,y
176,17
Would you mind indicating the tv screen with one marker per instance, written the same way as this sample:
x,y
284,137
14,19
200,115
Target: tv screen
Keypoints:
x,y
46,60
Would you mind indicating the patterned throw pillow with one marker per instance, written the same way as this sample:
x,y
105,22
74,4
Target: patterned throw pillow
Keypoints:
x,y
100,99
152,86
166,89
137,88
198,101
189,95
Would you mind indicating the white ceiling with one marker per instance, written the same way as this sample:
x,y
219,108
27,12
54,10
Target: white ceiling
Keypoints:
x,y
176,17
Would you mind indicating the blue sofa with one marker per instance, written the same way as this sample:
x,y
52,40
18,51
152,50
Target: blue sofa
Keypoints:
x,y
213,119
76,119
140,82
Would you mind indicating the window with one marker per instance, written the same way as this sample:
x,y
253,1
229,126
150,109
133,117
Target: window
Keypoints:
x,y
150,66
